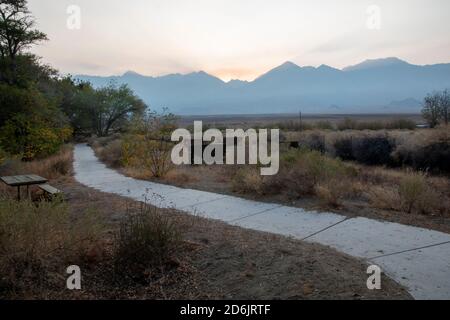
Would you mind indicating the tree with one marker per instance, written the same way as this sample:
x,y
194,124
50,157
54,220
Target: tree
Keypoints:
x,y
37,130
17,33
431,109
444,106
436,108
115,106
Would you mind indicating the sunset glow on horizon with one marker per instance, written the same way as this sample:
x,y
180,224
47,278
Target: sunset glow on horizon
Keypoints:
x,y
235,39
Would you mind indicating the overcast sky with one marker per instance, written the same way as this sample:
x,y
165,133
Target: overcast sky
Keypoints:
x,y
238,39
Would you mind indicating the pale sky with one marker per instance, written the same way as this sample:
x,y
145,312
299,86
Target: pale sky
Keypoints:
x,y
237,39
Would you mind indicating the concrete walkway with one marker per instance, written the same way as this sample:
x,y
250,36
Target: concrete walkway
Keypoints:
x,y
417,258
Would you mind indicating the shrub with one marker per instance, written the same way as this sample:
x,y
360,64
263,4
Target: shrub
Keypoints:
x,y
347,124
384,197
141,151
324,125
428,150
314,141
343,148
435,157
373,150
412,193
412,190
331,192
145,240
310,172
402,124
31,124
370,125
350,124
111,153
248,180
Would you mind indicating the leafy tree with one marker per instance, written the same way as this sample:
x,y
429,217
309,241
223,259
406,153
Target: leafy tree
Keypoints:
x,y
147,142
114,107
17,33
38,130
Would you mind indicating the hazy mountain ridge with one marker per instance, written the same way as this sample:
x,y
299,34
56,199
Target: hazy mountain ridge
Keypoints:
x,y
371,86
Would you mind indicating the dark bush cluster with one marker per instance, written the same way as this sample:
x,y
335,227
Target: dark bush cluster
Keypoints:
x,y
434,157
366,150
373,150
314,142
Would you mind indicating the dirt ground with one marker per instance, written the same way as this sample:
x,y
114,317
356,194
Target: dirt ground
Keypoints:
x,y
225,262
217,179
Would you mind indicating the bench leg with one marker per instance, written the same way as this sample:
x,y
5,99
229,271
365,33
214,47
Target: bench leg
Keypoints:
x,y
18,193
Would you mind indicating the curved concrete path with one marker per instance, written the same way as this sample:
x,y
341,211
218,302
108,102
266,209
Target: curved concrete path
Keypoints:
x,y
417,258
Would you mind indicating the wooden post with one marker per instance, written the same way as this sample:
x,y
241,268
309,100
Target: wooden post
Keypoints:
x,y
301,122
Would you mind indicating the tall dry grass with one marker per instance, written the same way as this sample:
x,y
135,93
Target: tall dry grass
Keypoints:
x,y
147,239
52,167
38,240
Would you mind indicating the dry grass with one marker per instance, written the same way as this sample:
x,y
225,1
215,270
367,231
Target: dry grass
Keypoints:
x,y
179,177
409,192
38,240
146,240
138,173
248,180
52,167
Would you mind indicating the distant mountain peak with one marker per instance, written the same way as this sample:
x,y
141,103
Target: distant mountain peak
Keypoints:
x,y
382,85
376,63
287,67
289,64
326,67
131,73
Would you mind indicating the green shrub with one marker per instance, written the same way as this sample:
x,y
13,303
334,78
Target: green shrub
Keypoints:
x,y
32,138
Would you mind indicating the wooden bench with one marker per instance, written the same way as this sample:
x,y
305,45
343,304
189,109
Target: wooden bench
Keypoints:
x,y
50,190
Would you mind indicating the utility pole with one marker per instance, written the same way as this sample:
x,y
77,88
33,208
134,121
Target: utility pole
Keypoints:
x,y
300,121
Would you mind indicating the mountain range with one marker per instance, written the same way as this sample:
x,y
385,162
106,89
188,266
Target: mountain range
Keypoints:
x,y
388,85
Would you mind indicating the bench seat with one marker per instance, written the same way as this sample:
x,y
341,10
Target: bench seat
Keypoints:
x,y
49,189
